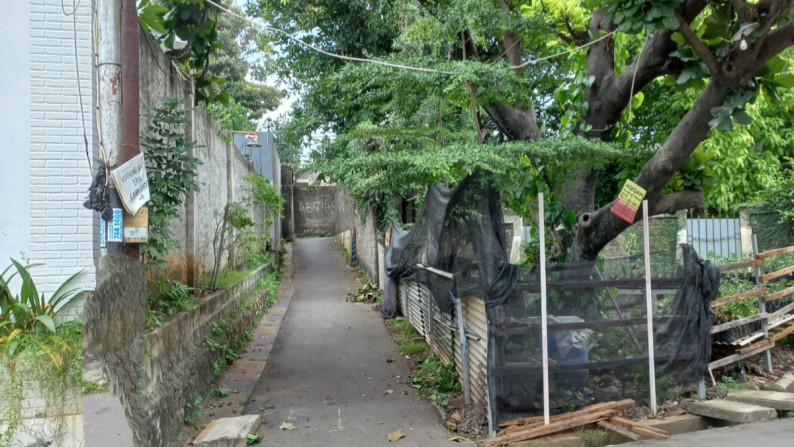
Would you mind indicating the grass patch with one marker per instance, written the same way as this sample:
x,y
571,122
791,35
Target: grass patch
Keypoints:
x,y
101,385
231,277
429,375
413,348
592,437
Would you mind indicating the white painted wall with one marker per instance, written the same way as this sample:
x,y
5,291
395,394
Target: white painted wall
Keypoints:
x,y
14,122
44,173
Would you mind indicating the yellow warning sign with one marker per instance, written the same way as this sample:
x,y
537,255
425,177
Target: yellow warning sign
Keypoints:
x,y
632,194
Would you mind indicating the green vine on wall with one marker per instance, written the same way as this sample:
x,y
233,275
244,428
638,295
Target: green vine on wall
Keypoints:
x,y
171,172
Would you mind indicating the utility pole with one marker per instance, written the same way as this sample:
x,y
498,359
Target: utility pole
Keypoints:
x,y
118,71
109,72
130,89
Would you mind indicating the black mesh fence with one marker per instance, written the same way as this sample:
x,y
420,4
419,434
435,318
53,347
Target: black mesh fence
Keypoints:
x,y
597,318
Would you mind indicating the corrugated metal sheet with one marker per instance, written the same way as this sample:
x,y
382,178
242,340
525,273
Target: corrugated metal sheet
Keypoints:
x,y
722,237
264,157
418,305
267,164
475,323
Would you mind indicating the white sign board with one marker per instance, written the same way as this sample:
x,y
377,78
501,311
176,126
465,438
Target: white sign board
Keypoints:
x,y
132,184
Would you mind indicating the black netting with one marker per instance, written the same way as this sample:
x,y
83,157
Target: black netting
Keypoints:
x,y
597,327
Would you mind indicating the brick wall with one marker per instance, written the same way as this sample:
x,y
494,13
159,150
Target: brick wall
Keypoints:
x,y
61,230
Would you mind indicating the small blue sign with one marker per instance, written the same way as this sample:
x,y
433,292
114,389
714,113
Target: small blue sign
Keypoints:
x,y
103,226
116,226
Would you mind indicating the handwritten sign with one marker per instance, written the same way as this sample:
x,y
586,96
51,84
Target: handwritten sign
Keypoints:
x,y
136,228
132,184
628,201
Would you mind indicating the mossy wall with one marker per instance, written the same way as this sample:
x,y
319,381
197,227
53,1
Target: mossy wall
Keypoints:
x,y
767,226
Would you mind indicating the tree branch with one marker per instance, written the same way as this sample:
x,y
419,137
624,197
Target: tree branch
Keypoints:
x,y
600,227
682,200
700,48
777,40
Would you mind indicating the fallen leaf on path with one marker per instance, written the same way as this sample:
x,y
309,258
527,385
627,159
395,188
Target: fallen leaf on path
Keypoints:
x,y
252,439
388,392
395,435
459,439
287,426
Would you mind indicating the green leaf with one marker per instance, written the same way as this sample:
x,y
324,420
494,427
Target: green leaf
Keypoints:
x,y
741,117
47,321
671,22
637,100
785,80
722,122
252,439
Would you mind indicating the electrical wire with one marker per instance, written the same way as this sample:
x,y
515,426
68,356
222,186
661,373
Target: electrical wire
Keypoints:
x,y
73,14
388,64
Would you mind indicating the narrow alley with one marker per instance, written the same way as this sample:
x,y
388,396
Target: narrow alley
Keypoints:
x,y
328,372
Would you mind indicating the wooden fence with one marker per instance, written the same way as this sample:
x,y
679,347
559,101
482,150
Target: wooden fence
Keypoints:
x,y
774,325
440,330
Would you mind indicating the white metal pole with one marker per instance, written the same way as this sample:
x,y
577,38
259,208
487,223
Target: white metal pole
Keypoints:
x,y
543,316
649,305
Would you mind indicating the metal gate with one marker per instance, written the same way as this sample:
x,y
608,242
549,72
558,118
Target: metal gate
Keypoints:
x,y
715,237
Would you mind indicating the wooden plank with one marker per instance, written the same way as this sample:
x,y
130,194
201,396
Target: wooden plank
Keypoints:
x,y
780,312
777,274
629,283
612,405
736,323
776,252
533,432
783,333
749,339
782,321
658,432
648,432
779,294
514,368
741,265
755,346
739,296
532,328
619,430
736,357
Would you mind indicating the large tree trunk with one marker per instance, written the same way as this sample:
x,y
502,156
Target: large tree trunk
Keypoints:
x,y
598,228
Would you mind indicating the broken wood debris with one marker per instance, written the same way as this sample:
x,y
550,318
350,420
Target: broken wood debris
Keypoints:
x,y
639,428
531,428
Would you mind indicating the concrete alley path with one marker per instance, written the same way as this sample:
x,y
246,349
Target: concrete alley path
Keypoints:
x,y
327,372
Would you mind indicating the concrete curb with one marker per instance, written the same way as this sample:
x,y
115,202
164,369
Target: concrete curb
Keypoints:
x,y
244,373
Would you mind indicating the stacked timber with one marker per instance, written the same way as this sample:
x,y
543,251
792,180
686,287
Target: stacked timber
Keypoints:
x,y
604,415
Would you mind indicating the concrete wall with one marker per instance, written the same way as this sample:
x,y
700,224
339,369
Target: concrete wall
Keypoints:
x,y
315,210
368,255
195,227
287,193
764,222
43,165
179,365
346,217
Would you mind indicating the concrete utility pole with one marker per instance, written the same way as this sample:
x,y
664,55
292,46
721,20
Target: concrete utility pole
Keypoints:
x,y
130,88
118,73
109,72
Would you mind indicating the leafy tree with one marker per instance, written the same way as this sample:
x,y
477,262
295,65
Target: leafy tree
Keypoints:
x,y
235,59
216,52
665,74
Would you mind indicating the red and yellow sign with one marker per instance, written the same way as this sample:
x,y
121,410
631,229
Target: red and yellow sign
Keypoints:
x,y
628,201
